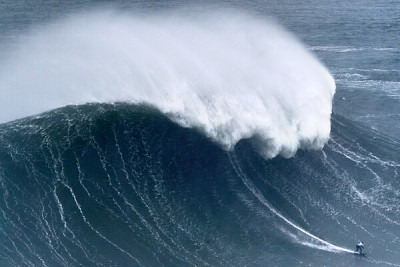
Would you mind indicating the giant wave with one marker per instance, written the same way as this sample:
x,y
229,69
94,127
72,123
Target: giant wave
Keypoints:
x,y
233,76
123,185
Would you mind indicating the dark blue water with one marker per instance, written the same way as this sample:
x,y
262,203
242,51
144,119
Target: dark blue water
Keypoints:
x,y
123,185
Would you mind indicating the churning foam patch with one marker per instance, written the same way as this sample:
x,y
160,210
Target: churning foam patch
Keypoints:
x,y
233,76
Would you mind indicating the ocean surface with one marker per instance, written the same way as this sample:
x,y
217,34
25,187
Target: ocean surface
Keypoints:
x,y
171,133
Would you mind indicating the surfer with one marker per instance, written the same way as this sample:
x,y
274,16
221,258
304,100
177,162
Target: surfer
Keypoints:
x,y
359,247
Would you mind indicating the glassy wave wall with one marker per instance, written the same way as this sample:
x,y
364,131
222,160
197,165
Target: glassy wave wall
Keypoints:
x,y
122,184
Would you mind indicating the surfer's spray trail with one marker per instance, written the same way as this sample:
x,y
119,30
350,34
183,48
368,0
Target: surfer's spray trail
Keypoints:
x,y
316,241
230,75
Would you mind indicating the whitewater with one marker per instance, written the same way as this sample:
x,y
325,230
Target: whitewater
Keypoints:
x,y
230,75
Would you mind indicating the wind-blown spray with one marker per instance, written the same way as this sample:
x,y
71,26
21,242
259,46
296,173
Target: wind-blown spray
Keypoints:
x,y
232,76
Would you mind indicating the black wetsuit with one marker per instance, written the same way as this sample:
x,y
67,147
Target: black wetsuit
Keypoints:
x,y
359,247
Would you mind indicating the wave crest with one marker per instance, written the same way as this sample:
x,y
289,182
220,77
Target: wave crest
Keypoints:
x,y
230,75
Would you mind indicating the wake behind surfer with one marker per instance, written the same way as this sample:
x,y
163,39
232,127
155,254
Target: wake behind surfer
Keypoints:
x,y
359,247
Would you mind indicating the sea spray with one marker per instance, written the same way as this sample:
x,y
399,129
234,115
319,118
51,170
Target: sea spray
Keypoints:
x,y
230,75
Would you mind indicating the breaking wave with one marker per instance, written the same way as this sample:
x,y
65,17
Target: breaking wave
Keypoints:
x,y
230,75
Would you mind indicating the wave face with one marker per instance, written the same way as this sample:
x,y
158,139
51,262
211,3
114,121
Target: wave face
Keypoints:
x,y
230,75
124,185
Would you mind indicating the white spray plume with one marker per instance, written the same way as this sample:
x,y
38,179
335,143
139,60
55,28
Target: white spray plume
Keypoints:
x,y
230,75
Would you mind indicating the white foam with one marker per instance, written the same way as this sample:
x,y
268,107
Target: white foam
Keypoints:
x,y
338,49
231,75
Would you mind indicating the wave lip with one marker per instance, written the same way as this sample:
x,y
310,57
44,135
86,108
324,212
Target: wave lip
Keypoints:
x,y
230,75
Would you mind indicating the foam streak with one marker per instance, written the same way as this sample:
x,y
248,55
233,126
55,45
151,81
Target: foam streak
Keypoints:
x,y
323,245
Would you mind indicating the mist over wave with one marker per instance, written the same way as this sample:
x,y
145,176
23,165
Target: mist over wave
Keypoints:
x,y
230,75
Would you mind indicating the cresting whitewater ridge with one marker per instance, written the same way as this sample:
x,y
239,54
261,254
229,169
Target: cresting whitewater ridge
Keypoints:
x,y
233,76
186,140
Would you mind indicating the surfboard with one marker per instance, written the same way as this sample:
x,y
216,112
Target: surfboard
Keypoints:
x,y
360,254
